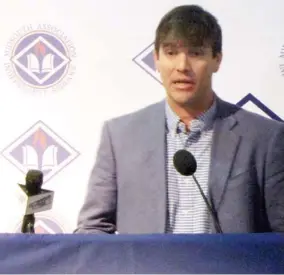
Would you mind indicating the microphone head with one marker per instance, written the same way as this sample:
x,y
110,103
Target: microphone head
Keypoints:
x,y
34,180
185,163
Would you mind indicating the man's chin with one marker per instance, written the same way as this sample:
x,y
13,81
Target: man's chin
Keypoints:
x,y
186,101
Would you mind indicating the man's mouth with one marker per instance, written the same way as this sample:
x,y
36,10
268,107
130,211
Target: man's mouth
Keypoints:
x,y
183,81
184,84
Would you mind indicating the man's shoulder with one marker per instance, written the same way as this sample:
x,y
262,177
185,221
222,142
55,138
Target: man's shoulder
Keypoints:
x,y
251,121
256,120
139,116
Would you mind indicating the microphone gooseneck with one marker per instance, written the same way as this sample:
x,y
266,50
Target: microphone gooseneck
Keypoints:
x,y
185,163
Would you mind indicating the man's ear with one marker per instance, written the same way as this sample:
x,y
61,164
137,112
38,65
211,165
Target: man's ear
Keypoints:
x,y
218,60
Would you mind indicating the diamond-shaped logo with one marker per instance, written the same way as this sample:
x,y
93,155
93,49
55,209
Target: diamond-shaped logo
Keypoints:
x,y
40,58
44,225
40,52
251,103
42,149
145,60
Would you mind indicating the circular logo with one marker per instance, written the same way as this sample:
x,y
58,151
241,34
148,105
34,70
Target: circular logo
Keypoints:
x,y
44,225
282,61
40,59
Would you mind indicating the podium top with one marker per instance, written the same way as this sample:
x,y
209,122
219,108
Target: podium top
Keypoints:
x,y
143,254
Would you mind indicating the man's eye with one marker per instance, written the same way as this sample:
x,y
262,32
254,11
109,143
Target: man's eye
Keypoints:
x,y
195,53
170,52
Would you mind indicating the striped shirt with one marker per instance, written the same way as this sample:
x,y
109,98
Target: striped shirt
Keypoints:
x,y
187,211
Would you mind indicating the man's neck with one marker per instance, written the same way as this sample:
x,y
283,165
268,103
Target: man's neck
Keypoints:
x,y
190,112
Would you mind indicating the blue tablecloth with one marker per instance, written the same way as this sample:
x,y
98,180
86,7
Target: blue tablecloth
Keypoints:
x,y
250,253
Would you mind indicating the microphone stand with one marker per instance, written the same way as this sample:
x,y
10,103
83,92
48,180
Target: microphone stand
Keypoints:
x,y
28,224
215,218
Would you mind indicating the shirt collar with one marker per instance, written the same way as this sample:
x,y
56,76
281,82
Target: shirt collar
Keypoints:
x,y
203,122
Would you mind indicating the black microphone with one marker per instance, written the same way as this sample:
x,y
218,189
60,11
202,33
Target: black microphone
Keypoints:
x,y
34,179
185,164
37,199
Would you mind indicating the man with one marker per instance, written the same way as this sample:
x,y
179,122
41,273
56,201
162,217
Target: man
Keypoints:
x,y
134,187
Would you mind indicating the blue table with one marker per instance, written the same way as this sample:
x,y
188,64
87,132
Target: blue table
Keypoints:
x,y
250,253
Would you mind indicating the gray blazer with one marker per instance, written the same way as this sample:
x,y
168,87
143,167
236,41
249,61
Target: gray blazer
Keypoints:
x,y
127,187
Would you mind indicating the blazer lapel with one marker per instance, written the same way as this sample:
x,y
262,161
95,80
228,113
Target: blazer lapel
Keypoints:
x,y
225,146
154,166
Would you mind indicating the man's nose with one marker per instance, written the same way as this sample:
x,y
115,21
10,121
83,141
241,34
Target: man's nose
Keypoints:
x,y
183,63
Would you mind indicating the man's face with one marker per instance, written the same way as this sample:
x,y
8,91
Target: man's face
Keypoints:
x,y
186,71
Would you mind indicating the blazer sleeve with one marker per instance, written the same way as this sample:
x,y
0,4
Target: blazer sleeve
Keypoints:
x,y
98,213
274,181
